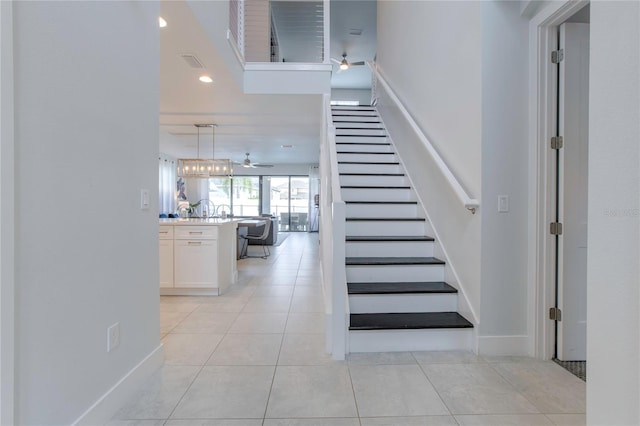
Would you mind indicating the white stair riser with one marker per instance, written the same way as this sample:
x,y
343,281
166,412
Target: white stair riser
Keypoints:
x,y
382,210
391,273
353,112
338,119
386,248
362,139
358,125
384,303
369,168
369,158
360,132
411,340
374,147
372,228
372,180
377,194
352,107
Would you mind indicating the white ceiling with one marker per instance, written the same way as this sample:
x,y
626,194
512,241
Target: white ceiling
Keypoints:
x,y
258,124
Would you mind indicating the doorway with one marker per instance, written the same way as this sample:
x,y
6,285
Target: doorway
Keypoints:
x,y
571,147
288,198
549,183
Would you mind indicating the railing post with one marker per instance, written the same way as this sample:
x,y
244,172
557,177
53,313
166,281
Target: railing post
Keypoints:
x,y
326,49
241,27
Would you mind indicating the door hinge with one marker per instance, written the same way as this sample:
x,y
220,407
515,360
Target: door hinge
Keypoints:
x,y
555,314
557,142
555,228
557,56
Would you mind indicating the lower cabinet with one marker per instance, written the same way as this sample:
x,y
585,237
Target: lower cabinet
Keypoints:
x,y
195,260
196,263
166,256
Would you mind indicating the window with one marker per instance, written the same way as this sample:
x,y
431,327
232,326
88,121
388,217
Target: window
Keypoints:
x,y
288,200
246,196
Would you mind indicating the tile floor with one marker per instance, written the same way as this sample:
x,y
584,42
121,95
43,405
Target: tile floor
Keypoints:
x,y
255,356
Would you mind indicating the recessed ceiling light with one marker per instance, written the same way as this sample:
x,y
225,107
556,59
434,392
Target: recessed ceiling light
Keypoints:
x,y
286,146
162,22
206,79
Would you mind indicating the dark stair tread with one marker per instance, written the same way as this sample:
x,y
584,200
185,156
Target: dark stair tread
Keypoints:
x,y
357,108
362,143
375,261
395,163
358,128
380,202
365,152
356,121
371,174
375,187
386,219
400,288
361,136
388,238
409,320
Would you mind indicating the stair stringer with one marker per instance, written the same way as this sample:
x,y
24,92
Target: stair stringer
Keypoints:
x,y
450,274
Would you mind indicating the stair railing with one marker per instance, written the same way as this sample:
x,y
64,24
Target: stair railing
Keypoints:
x,y
332,241
469,203
254,27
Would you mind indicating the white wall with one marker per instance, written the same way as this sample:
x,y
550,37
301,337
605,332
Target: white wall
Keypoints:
x,y
7,216
613,271
86,136
430,54
276,170
503,327
361,95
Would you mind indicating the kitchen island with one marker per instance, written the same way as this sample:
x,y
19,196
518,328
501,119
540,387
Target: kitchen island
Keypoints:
x,y
197,256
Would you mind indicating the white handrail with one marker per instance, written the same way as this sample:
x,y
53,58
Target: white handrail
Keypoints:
x,y
471,204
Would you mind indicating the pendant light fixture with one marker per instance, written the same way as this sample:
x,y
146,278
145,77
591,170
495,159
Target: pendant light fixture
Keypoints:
x,y
201,167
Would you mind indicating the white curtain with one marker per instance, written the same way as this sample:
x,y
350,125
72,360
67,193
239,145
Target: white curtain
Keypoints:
x,y
167,185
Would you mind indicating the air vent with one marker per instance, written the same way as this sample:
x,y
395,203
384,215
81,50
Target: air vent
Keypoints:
x,y
355,31
192,60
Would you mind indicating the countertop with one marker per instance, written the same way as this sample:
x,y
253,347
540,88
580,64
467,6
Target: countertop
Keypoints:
x,y
198,222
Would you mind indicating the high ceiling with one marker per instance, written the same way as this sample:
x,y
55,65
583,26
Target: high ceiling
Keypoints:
x,y
259,124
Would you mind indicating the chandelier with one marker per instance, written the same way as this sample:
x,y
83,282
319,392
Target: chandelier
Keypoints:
x,y
204,167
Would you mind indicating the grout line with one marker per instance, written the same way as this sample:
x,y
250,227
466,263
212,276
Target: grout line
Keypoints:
x,y
434,388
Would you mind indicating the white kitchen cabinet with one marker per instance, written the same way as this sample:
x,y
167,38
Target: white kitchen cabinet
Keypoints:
x,y
196,263
197,257
166,256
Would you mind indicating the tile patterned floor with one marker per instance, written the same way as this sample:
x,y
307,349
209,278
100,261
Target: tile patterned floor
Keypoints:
x,y
255,356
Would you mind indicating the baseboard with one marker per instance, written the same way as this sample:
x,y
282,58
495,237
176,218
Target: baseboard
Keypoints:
x,y
106,407
503,345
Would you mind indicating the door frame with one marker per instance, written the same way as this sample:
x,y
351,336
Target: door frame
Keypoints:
x,y
543,39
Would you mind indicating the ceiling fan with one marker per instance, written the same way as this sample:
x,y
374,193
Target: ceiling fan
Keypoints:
x,y
249,164
344,64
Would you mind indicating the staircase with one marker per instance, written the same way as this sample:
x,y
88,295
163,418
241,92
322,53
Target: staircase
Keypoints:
x,y
397,295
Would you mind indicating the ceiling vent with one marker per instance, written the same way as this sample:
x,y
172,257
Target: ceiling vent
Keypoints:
x,y
192,60
355,31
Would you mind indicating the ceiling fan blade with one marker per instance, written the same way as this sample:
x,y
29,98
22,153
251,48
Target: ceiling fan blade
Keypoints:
x,y
356,63
261,165
335,60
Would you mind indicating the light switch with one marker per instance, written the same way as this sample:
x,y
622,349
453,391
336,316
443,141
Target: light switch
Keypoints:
x,y
144,199
503,203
